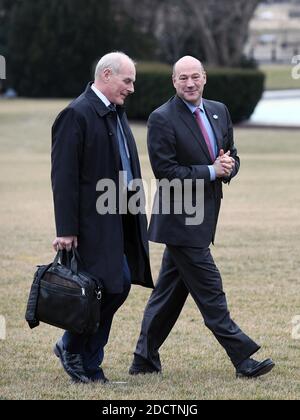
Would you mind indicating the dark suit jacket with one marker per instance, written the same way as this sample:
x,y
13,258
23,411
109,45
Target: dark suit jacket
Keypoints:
x,y
177,149
84,151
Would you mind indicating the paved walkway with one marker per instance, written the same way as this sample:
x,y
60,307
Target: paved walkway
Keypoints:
x,y
278,109
282,94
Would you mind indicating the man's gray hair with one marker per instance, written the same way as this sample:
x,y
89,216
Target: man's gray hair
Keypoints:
x,y
112,61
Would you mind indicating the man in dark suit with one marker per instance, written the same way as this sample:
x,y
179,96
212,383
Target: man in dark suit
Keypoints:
x,y
191,138
92,141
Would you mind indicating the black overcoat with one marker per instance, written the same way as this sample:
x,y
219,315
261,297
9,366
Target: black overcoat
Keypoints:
x,y
85,151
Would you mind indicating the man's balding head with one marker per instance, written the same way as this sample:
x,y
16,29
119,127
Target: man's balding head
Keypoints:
x,y
186,62
189,79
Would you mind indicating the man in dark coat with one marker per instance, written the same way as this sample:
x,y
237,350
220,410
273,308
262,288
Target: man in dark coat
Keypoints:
x,y
92,142
191,138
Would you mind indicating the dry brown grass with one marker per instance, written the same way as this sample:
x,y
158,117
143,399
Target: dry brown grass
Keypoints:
x,y
257,251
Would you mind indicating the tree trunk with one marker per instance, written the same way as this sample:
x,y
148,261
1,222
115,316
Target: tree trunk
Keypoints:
x,y
222,28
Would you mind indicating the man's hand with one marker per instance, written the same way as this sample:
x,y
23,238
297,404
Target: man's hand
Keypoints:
x,y
65,243
224,164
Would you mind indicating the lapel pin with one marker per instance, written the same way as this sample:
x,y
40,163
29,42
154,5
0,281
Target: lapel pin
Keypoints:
x,y
215,117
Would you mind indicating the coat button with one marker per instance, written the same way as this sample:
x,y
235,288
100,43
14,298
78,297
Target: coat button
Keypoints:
x,y
110,133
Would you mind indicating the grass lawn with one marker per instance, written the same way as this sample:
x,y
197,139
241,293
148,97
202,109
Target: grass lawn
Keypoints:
x,y
257,251
279,77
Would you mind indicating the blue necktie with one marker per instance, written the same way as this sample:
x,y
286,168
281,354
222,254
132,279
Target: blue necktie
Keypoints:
x,y
124,152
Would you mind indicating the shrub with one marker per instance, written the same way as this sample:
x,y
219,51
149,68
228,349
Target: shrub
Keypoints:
x,y
239,89
52,46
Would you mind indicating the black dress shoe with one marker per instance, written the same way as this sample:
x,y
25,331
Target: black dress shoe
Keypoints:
x,y
250,368
71,362
99,377
141,367
92,380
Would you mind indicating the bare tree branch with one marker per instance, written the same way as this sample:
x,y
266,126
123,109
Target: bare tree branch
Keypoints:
x,y
220,28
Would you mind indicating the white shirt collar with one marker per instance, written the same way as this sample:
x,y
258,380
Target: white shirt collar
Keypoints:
x,y
100,95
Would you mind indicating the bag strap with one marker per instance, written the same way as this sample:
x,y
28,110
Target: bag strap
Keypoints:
x,y
30,315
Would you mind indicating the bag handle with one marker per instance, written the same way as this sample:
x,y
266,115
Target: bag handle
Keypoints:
x,y
58,257
73,264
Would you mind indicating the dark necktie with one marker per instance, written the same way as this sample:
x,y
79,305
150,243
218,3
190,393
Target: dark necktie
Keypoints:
x,y
124,152
204,133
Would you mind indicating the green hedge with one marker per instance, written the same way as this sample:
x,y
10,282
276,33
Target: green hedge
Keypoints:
x,y
239,89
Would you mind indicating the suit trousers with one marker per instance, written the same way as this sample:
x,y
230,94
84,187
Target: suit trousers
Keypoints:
x,y
91,347
183,271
